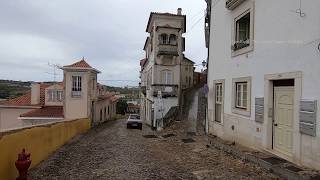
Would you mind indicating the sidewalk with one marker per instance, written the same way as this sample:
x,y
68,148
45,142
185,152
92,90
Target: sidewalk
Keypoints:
x,y
266,160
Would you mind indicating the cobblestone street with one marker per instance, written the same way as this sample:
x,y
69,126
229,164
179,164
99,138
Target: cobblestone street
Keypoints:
x,y
113,152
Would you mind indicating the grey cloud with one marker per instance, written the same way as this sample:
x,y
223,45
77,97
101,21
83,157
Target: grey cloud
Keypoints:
x,y
109,33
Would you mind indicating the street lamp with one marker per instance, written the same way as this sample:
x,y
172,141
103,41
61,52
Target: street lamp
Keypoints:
x,y
204,63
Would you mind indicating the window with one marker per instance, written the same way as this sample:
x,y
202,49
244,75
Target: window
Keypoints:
x,y
241,100
242,33
105,113
173,39
100,114
76,86
55,95
167,77
163,39
59,95
76,83
241,95
242,28
218,102
93,83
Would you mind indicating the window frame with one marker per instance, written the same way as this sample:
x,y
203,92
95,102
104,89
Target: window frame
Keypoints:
x,y
174,40
241,110
240,101
76,88
165,77
221,83
238,13
164,39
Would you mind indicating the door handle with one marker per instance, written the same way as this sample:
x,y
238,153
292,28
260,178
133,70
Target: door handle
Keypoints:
x,y
275,124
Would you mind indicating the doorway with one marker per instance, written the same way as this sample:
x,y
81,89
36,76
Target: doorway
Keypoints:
x,y
283,116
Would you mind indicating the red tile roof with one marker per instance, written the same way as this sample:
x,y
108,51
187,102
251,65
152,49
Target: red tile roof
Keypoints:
x,y
80,64
46,112
43,92
24,100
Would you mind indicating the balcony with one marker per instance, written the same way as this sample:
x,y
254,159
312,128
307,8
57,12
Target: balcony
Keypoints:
x,y
167,90
232,4
167,49
76,94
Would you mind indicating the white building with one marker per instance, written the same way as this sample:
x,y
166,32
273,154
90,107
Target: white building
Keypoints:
x,y
264,69
164,71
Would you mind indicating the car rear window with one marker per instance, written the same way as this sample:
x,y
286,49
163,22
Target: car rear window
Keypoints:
x,y
134,117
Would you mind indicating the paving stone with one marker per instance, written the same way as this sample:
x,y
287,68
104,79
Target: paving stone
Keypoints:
x,y
114,152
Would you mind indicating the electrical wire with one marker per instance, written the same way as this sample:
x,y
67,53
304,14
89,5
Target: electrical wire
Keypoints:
x,y
193,26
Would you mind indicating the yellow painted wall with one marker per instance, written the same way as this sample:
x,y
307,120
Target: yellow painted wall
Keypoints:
x,y
40,141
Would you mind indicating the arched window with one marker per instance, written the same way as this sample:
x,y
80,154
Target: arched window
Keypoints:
x,y
163,39
173,39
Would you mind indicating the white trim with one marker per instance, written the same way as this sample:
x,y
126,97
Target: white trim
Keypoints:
x,y
243,9
77,68
244,112
268,104
220,81
21,107
40,118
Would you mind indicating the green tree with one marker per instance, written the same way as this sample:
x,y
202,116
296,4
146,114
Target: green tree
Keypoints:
x,y
122,107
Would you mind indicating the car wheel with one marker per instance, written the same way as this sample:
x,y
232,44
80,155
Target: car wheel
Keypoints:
x,y
140,127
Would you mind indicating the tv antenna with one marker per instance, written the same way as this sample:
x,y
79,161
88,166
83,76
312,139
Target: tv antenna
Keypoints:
x,y
55,67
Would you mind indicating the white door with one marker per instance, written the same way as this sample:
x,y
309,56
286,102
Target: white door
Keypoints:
x,y
283,119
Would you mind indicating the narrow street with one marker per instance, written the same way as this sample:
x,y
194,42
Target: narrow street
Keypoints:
x,y
113,152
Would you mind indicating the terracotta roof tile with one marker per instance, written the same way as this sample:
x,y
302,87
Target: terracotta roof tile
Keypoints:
x,y
80,64
46,112
43,87
24,100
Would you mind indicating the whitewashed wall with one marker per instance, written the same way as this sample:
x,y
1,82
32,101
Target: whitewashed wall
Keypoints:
x,y
284,42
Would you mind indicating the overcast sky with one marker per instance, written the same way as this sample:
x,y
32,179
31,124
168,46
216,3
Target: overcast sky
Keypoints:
x,y
110,34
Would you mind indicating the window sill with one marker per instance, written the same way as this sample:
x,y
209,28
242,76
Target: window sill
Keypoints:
x,y
241,51
241,112
218,123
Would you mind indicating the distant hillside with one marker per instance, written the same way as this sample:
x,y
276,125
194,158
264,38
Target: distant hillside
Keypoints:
x,y
131,92
12,89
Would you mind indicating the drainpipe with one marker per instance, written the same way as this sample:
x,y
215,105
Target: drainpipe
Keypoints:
x,y
208,55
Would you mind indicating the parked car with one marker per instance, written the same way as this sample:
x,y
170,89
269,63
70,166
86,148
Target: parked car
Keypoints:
x,y
134,121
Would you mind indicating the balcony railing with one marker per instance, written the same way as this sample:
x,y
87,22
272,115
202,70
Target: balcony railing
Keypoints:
x,y
76,94
232,4
166,90
167,49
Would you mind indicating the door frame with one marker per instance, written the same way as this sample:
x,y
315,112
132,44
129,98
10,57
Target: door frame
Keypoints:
x,y
268,113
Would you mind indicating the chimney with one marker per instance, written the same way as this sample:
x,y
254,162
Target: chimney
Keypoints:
x,y
179,11
35,93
